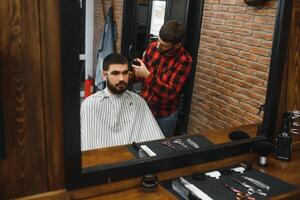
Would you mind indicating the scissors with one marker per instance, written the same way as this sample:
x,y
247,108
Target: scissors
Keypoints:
x,y
250,190
169,144
238,194
179,142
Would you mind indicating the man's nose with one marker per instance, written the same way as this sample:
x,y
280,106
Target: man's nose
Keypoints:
x,y
121,77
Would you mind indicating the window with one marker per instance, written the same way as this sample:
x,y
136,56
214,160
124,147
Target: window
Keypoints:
x,y
157,16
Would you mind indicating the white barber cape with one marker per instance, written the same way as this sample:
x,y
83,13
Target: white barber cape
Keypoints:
x,y
110,120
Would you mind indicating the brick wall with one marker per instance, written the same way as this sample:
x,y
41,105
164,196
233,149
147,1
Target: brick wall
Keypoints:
x,y
233,61
233,64
99,19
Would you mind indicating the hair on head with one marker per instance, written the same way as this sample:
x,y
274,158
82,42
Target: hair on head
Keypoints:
x,y
172,31
113,58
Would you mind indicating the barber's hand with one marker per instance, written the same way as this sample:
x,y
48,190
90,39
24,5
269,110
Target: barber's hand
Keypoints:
x,y
141,71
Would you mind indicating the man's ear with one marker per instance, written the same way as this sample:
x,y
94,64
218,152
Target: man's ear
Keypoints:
x,y
104,75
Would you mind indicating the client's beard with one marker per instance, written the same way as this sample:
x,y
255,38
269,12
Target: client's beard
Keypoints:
x,y
114,89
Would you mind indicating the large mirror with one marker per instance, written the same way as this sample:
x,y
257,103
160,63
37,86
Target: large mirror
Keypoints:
x,y
237,66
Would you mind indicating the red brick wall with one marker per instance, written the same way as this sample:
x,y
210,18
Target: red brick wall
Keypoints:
x,y
99,18
233,61
233,64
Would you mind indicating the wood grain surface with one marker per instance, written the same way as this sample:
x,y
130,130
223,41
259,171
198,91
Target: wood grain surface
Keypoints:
x,y
283,170
30,92
52,92
121,153
24,171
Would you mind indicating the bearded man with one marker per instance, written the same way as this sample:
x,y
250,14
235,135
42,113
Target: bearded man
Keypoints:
x,y
115,115
164,69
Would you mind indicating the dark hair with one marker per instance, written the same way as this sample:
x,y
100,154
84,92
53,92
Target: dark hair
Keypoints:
x,y
172,31
113,58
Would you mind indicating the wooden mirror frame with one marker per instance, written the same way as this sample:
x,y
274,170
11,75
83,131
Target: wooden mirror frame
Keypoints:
x,y
2,144
76,177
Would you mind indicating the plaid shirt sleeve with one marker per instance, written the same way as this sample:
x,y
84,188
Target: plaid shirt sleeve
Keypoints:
x,y
169,89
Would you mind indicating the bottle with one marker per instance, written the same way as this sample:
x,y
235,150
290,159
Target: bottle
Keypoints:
x,y
284,140
88,87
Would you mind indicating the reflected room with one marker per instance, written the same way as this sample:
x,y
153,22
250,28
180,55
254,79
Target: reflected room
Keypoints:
x,y
231,60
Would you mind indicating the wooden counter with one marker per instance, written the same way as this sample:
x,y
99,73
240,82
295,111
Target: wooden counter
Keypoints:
x,y
287,171
120,153
105,156
129,188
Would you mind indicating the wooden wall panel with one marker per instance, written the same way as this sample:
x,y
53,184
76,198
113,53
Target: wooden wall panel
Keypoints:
x,y
24,171
51,75
290,92
293,81
30,86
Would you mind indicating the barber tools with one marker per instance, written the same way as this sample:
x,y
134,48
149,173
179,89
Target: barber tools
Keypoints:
x,y
169,145
148,150
291,125
238,135
188,191
250,190
238,194
149,183
179,142
185,193
284,140
143,150
132,56
295,122
263,149
238,169
257,183
213,174
192,143
242,167
141,153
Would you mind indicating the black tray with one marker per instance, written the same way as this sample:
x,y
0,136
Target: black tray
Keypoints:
x,y
217,191
160,149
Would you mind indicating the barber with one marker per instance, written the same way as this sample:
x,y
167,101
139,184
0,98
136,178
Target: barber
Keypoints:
x,y
164,70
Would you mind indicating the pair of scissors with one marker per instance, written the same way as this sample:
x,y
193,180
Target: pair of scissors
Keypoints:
x,y
250,190
179,142
238,194
169,144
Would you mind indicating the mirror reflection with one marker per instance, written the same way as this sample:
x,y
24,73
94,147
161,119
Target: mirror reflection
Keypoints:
x,y
116,116
230,80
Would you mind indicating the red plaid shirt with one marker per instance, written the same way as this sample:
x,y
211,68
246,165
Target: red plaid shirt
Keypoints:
x,y
168,73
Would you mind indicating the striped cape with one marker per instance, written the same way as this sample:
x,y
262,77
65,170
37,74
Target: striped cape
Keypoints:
x,y
111,120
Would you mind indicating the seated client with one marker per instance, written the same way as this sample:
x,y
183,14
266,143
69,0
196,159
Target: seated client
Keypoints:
x,y
115,115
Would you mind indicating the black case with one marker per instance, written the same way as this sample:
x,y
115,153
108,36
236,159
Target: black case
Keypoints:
x,y
284,147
